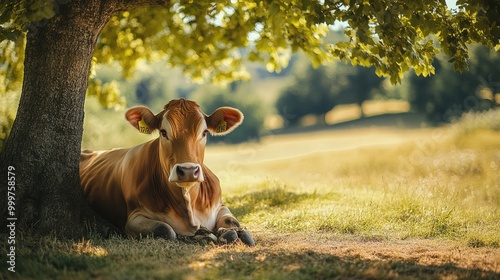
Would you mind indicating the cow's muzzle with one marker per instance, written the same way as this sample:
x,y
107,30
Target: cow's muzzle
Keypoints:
x,y
187,172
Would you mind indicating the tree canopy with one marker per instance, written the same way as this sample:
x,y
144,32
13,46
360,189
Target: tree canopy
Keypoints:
x,y
211,40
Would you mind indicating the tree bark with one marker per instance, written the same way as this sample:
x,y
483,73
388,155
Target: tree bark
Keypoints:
x,y
44,144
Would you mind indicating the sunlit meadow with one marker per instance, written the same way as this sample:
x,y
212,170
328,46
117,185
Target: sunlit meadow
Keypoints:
x,y
439,183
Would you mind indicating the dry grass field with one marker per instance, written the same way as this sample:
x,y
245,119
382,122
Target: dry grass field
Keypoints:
x,y
361,203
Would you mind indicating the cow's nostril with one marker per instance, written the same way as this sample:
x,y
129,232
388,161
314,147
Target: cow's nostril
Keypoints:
x,y
180,172
196,172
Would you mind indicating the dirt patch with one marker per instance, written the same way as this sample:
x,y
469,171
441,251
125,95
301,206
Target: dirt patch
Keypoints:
x,y
321,256
417,251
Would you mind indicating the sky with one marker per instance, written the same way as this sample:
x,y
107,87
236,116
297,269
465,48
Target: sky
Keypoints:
x,y
451,4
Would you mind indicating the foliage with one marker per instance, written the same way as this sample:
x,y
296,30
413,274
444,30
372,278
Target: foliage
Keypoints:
x,y
108,94
313,93
154,85
392,36
447,95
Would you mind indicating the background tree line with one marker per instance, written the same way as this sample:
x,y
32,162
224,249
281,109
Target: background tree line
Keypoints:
x,y
442,97
300,90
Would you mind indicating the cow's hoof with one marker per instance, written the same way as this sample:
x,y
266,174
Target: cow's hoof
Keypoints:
x,y
245,237
227,236
205,239
204,236
202,231
164,232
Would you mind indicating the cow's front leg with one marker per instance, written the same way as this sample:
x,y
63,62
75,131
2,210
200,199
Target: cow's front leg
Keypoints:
x,y
138,225
229,230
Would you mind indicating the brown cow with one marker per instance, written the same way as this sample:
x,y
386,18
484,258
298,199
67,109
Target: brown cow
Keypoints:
x,y
162,187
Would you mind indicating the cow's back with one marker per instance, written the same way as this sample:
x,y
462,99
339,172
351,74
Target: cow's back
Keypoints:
x,y
100,177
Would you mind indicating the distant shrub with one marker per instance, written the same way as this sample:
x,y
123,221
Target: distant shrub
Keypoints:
x,y
478,121
446,95
479,131
252,127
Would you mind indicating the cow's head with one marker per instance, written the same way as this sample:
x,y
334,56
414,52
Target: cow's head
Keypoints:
x,y
183,128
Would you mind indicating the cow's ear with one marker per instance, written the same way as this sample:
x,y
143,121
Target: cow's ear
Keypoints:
x,y
142,119
224,120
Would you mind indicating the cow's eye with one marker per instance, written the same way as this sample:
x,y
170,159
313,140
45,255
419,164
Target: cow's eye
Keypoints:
x,y
205,133
163,133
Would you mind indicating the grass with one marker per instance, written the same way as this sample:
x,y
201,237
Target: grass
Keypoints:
x,y
428,208
447,187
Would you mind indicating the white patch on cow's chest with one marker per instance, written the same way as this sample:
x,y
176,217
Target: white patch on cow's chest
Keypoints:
x,y
196,219
189,208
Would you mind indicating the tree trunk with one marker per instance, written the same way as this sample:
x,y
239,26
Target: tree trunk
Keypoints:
x,y
44,144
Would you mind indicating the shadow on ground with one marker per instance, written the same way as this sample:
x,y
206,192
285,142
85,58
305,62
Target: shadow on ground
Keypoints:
x,y
275,197
284,264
